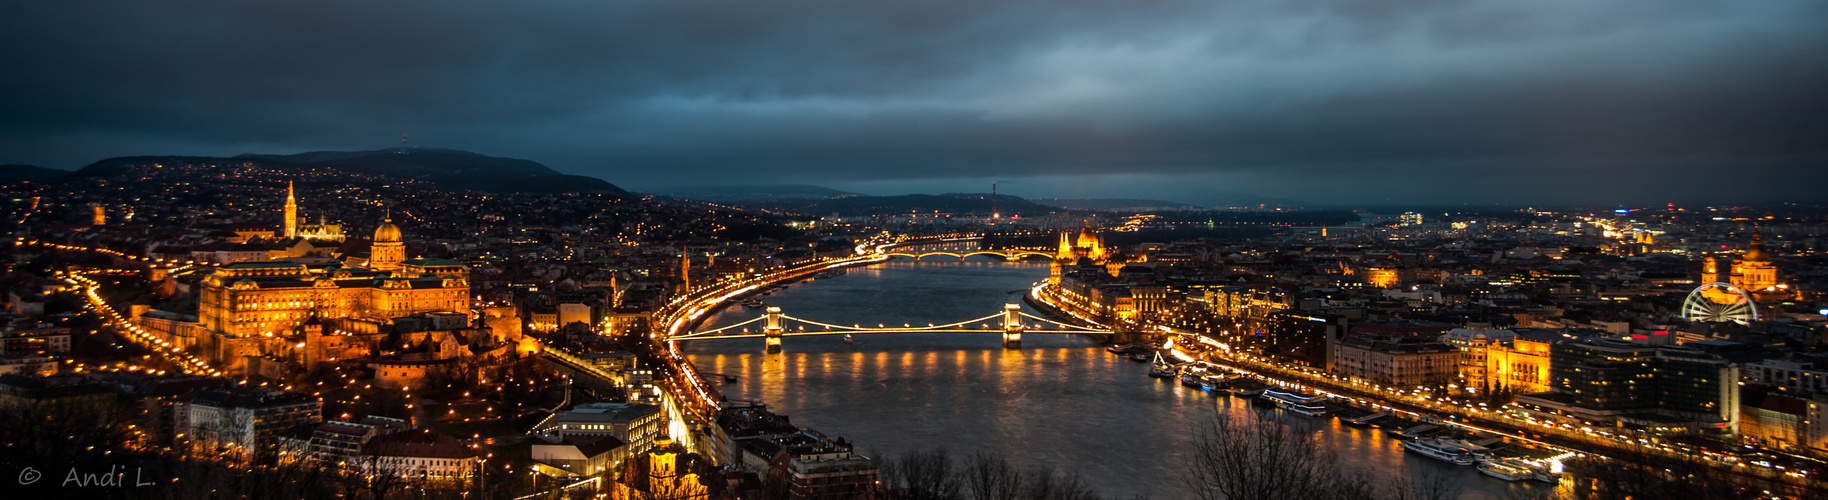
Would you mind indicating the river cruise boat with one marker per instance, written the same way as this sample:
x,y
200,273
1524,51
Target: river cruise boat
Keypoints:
x,y
753,303
1140,357
1452,451
1191,380
1505,469
848,339
1313,406
1214,383
829,273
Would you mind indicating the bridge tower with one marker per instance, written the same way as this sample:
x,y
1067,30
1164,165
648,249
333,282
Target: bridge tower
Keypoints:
x,y
1012,326
772,331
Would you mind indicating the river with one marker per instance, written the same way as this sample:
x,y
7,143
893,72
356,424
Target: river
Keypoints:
x,y
1061,401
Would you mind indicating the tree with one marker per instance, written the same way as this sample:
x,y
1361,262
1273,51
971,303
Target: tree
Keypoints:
x,y
988,476
1242,458
921,475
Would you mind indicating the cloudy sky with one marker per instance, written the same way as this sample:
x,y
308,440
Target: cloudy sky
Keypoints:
x,y
1326,101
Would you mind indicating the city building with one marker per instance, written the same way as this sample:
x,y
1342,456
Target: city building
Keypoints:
x,y
240,421
31,388
1799,376
1600,381
419,454
1395,362
1303,337
582,454
1521,367
633,423
1477,347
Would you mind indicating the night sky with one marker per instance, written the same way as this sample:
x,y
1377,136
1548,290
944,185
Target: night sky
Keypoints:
x,y
1323,101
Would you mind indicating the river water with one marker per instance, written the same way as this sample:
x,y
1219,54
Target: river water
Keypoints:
x,y
1061,401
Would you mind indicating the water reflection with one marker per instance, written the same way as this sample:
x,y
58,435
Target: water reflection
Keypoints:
x,y
1060,401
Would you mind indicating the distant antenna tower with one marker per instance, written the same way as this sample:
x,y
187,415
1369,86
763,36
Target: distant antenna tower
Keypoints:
x,y
402,138
993,200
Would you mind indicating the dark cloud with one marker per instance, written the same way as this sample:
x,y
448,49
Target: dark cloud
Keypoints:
x,y
1322,100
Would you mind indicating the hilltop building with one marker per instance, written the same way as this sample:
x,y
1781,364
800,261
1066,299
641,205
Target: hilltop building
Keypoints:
x,y
249,309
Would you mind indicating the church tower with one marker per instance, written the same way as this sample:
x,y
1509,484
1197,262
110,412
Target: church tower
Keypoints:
x,y
388,250
291,229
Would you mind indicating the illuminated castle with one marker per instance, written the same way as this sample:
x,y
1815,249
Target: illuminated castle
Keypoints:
x,y
245,306
1752,271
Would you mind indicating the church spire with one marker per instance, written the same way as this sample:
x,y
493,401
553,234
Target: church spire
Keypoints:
x,y
291,215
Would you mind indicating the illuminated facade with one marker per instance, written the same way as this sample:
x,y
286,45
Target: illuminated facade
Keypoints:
x,y
1521,367
388,249
291,225
1087,248
1382,277
1752,272
273,298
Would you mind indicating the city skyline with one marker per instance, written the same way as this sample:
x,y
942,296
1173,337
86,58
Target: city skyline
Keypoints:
x,y
1482,103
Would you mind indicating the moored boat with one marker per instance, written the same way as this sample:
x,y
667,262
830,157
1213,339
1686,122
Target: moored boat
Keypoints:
x,y
1190,379
1504,469
847,338
1452,451
1214,383
1160,368
1310,405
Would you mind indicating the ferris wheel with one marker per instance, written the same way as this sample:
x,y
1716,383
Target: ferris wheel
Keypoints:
x,y
1719,302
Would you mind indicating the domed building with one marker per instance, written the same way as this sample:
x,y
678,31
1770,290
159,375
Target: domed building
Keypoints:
x,y
1752,271
388,249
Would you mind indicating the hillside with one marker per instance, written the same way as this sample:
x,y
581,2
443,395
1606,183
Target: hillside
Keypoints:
x,y
749,193
1115,204
11,173
445,167
955,203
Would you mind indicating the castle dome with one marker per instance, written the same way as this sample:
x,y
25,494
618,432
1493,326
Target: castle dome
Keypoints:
x,y
387,233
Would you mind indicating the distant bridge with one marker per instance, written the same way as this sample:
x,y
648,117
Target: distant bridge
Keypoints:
x,y
1011,324
957,247
1006,254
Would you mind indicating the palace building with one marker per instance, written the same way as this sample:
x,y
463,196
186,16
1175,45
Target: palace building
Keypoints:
x,y
242,306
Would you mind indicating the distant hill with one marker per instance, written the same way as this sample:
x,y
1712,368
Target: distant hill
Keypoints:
x,y
1114,204
750,193
954,203
9,173
445,167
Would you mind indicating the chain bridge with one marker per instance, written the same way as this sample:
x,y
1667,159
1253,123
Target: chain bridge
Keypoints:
x,y
774,326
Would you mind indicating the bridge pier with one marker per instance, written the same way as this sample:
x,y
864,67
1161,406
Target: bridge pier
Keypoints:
x,y
772,332
1012,326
